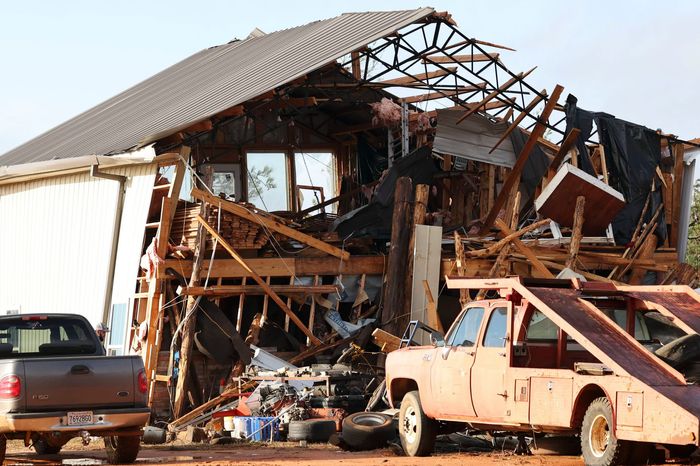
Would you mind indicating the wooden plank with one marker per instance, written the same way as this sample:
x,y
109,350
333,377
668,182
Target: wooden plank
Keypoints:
x,y
282,267
678,153
432,313
275,297
539,267
494,248
517,169
466,58
241,303
441,94
270,223
577,232
502,88
520,118
386,341
170,204
418,77
235,290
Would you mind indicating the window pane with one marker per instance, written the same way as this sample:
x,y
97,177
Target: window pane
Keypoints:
x,y
541,328
468,329
496,331
315,169
267,180
117,326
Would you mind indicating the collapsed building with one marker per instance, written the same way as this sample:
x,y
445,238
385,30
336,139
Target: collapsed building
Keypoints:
x,y
297,190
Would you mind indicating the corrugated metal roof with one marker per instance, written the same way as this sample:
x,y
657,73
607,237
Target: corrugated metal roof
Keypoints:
x,y
207,83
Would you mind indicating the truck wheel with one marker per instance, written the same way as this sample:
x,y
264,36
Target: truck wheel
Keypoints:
x,y
41,447
367,431
122,449
599,445
416,430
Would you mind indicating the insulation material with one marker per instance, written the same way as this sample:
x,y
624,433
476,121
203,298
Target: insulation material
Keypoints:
x,y
386,113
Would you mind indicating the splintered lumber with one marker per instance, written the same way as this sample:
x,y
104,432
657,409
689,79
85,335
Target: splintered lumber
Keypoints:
x,y
270,223
678,151
234,290
394,314
418,77
420,207
540,268
475,57
386,341
517,234
526,111
517,169
566,146
460,259
502,88
260,281
577,232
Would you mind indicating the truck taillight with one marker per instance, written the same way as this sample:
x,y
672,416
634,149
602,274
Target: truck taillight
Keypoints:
x,y
10,386
143,382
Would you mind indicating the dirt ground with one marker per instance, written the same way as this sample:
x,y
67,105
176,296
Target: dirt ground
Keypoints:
x,y
279,454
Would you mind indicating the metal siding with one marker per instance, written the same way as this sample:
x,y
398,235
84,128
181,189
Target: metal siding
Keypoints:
x,y
55,240
207,83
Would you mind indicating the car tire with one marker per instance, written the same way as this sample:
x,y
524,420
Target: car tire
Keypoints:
x,y
41,447
416,430
599,445
311,430
367,430
122,449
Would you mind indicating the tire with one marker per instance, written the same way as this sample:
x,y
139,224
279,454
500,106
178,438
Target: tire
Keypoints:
x,y
681,351
41,447
368,431
599,445
122,449
416,430
311,430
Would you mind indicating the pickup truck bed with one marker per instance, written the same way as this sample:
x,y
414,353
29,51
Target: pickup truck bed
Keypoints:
x,y
56,383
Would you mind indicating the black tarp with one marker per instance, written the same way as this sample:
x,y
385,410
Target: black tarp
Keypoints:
x,y
375,217
632,153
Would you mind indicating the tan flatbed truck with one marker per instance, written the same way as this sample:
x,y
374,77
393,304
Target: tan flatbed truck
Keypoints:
x,y
554,356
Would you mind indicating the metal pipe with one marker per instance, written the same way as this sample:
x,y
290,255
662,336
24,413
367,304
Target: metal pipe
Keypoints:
x,y
115,233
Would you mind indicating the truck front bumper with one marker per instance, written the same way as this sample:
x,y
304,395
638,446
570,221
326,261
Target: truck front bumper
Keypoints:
x,y
57,421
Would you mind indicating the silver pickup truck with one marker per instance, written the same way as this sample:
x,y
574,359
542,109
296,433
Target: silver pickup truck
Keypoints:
x,y
56,383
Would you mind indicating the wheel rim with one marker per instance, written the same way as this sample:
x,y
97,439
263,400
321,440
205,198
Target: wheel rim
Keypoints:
x,y
368,419
410,425
599,436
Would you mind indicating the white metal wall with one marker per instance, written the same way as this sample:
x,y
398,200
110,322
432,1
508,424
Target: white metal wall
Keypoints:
x,y
55,241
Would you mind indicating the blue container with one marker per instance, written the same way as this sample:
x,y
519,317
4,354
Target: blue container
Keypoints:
x,y
262,429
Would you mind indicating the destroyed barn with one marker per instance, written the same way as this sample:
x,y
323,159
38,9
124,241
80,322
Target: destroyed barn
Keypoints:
x,y
280,198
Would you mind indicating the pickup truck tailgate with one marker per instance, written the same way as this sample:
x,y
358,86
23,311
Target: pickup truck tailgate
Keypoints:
x,y
80,383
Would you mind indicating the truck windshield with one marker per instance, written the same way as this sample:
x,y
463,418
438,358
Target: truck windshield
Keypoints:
x,y
28,336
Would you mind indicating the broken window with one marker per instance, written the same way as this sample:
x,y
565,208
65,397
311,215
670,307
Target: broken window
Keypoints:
x,y
316,178
268,187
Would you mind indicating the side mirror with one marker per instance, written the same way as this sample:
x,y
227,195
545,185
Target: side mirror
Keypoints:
x,y
437,339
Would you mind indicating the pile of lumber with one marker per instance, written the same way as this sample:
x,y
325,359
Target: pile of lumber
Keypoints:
x,y
239,232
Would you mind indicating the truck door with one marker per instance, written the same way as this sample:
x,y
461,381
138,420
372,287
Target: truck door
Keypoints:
x,y
452,364
491,363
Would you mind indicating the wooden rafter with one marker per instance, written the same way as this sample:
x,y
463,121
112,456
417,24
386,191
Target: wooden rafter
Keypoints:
x,y
502,88
476,57
418,77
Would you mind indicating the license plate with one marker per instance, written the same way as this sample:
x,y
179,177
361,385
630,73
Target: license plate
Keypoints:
x,y
79,418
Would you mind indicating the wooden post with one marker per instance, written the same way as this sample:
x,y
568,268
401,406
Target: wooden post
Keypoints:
x,y
188,328
420,207
395,286
517,170
678,152
576,232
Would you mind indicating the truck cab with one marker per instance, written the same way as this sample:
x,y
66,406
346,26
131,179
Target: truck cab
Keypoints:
x,y
552,358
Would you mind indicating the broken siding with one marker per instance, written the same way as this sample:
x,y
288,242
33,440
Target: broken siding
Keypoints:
x,y
69,219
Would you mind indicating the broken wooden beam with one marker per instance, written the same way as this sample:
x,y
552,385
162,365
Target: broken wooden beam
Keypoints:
x,y
260,281
576,232
270,223
474,57
526,251
526,111
517,169
418,77
441,94
501,89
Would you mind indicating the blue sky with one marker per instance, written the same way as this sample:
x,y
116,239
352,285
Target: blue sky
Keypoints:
x,y
635,59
